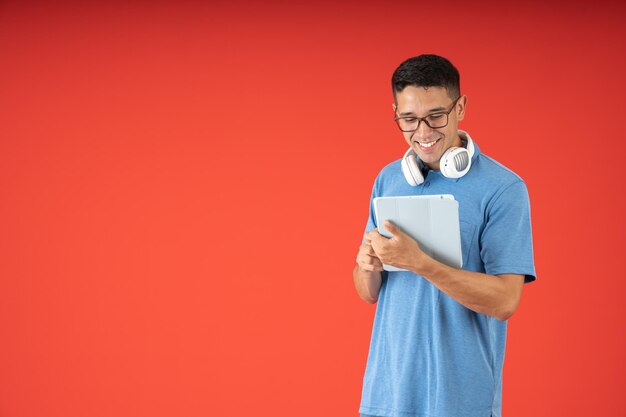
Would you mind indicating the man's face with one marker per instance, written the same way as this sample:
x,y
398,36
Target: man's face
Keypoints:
x,y
429,144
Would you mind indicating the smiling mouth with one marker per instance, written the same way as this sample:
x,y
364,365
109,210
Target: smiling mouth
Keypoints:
x,y
427,145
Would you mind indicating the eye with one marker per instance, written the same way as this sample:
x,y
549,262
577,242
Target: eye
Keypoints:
x,y
436,116
409,119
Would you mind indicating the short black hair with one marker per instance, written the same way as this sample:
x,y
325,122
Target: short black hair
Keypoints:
x,y
427,71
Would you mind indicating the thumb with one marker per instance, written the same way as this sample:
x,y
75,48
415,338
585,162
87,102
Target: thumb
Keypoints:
x,y
392,228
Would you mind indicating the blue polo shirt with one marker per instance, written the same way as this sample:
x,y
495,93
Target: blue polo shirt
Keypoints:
x,y
429,355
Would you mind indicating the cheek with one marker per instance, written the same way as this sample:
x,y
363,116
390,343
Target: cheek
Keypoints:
x,y
448,133
407,137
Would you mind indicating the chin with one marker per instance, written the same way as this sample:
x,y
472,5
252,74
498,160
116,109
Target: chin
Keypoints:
x,y
428,158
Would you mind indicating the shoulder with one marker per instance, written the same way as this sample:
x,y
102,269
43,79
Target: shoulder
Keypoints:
x,y
492,173
391,169
494,170
497,180
389,174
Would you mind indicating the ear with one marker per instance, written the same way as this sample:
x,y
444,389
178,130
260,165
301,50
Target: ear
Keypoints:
x,y
394,106
460,108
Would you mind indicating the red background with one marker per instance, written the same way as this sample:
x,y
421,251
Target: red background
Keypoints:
x,y
184,187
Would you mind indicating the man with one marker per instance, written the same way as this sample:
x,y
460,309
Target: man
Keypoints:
x,y
438,340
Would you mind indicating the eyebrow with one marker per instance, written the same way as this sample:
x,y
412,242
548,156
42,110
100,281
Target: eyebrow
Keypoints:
x,y
431,111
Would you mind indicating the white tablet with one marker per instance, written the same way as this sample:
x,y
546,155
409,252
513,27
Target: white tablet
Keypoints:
x,y
432,220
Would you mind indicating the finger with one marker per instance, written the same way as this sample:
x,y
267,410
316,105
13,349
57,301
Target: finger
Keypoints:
x,y
376,269
371,234
393,229
367,255
367,249
376,261
371,268
372,256
375,236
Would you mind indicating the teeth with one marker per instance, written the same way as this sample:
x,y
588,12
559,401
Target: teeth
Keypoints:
x,y
428,144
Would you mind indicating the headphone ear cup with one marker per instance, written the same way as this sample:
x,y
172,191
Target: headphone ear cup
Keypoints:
x,y
455,162
411,169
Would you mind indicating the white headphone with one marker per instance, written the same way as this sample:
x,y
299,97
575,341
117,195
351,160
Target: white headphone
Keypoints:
x,y
454,163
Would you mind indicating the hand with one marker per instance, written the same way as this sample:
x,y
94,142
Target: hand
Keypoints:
x,y
367,259
401,250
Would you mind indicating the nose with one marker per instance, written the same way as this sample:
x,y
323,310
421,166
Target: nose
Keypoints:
x,y
423,131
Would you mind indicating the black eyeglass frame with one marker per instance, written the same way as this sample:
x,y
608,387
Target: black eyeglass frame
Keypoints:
x,y
396,118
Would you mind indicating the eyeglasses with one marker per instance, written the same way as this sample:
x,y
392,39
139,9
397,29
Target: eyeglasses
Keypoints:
x,y
433,120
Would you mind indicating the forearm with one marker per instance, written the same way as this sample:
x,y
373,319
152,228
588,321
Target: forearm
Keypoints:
x,y
367,284
495,296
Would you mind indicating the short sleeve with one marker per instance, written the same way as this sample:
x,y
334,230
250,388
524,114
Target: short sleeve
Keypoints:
x,y
506,240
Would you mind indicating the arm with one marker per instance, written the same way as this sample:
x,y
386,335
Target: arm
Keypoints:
x,y
367,284
367,273
494,295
